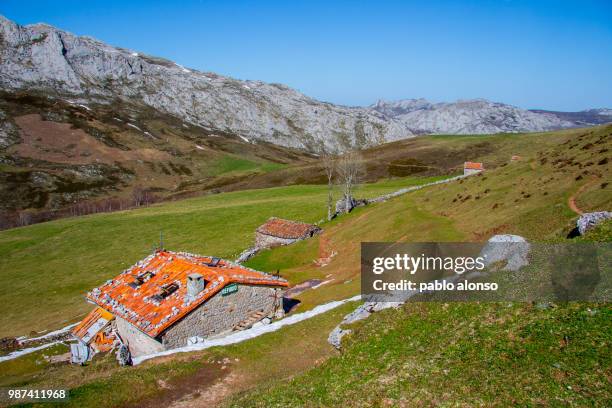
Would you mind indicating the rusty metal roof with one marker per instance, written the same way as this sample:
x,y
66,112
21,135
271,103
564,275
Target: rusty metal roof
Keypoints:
x,y
278,227
95,321
151,295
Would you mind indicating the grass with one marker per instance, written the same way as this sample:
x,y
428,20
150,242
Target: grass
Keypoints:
x,y
601,233
470,354
176,159
528,197
65,258
396,357
262,359
25,368
233,164
461,354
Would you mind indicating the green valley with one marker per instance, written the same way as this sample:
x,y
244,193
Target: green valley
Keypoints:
x,y
420,354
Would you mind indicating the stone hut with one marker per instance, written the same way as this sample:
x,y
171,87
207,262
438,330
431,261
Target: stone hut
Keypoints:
x,y
277,231
172,299
470,168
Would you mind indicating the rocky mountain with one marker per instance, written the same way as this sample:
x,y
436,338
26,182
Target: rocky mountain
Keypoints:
x,y
589,117
474,116
44,59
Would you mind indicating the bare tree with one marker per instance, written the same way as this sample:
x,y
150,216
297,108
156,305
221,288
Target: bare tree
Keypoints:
x,y
329,167
138,196
349,168
24,218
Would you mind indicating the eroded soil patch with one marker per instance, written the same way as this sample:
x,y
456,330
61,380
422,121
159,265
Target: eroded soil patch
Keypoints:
x,y
61,143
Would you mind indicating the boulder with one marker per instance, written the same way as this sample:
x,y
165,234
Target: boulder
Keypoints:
x,y
362,312
345,205
590,220
80,353
513,249
336,335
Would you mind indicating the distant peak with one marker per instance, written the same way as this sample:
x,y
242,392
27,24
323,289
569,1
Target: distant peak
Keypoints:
x,y
393,108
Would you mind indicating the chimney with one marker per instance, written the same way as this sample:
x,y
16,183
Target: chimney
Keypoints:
x,y
195,284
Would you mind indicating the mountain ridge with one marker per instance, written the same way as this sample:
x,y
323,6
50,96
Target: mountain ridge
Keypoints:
x,y
42,58
475,116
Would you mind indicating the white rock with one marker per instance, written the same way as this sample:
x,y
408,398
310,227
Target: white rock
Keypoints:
x,y
513,249
590,220
336,335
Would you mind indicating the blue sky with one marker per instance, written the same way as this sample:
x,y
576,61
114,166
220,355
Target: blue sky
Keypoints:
x,y
534,54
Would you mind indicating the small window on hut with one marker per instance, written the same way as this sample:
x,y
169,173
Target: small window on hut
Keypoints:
x,y
165,291
140,279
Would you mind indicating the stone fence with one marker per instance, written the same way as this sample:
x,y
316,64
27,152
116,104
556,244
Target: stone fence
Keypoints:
x,y
403,191
342,207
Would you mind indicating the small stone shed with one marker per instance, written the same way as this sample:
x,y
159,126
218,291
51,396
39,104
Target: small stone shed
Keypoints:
x,y
172,299
472,168
277,231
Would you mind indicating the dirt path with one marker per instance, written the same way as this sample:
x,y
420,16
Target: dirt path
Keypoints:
x,y
326,251
571,202
209,396
182,392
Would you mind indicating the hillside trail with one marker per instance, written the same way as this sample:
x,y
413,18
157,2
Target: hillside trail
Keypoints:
x,y
205,387
571,202
205,395
326,251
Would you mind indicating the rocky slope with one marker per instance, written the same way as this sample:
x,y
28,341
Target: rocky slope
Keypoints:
x,y
58,155
44,59
589,117
476,116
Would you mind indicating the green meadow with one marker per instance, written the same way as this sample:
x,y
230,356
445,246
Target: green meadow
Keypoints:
x,y
47,268
419,355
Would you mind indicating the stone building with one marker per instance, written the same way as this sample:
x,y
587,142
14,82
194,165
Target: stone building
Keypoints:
x,y
172,299
277,231
472,168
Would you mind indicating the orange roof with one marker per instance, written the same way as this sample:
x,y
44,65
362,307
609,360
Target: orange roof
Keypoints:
x,y
473,166
95,321
277,227
138,304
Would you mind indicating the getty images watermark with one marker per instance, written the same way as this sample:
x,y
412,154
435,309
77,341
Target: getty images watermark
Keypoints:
x,y
493,271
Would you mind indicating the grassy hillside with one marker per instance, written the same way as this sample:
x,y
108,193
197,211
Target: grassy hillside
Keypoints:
x,y
60,261
528,197
412,347
462,354
474,354
54,152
